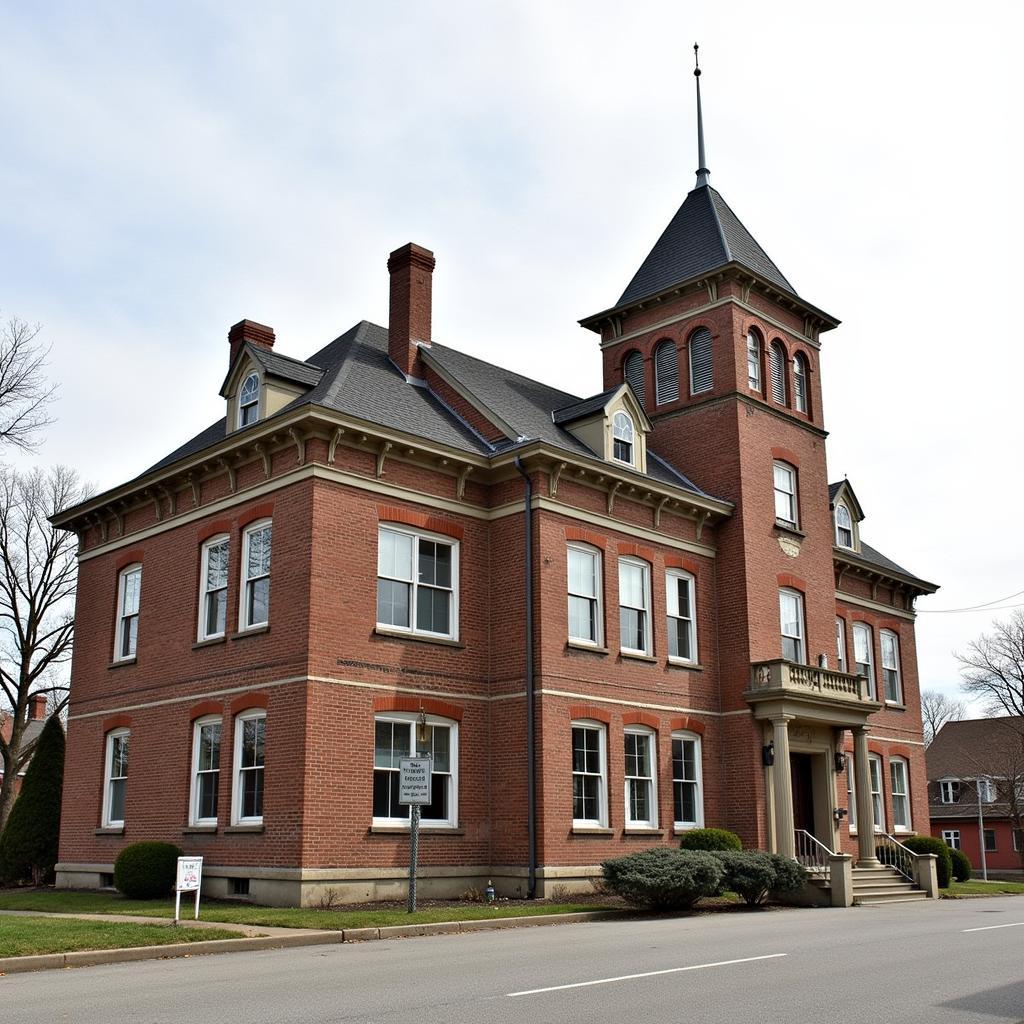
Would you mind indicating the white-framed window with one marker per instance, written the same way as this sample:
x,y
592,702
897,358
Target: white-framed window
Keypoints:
x,y
417,582
666,373
247,792
898,779
641,781
129,592
990,840
682,619
800,393
115,777
791,619
633,371
844,527
255,587
851,793
863,654
205,770
589,775
623,438
875,771
687,781
840,644
787,507
949,790
396,735
213,588
777,361
584,575
986,790
634,606
249,400
891,666
702,375
753,361
951,837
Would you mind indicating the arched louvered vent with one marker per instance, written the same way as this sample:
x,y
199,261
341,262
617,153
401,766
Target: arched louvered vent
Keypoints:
x,y
800,382
778,360
666,373
702,377
634,373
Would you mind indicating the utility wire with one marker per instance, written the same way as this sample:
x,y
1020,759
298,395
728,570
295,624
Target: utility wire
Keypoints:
x,y
994,605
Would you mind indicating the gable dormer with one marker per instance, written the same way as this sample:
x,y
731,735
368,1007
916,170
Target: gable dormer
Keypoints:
x,y
847,515
612,424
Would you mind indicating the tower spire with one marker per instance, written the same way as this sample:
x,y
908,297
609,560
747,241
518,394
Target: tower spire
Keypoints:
x,y
702,170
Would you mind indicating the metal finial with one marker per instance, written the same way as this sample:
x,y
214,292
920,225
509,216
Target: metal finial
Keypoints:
x,y
702,170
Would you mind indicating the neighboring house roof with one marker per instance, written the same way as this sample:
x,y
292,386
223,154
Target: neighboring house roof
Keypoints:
x,y
33,728
703,235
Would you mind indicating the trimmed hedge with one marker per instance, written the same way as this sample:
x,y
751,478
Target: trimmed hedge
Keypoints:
x,y
710,839
144,871
664,879
756,875
929,844
962,869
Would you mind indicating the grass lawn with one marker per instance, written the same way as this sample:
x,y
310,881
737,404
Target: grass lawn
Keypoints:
x,y
976,887
25,936
67,902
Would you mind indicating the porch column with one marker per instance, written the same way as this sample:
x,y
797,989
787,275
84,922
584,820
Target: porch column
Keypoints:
x,y
865,812
782,785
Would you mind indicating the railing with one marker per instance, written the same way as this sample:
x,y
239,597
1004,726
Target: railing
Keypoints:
x,y
891,852
779,674
812,854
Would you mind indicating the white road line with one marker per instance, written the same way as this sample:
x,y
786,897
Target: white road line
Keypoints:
x,y
993,927
645,974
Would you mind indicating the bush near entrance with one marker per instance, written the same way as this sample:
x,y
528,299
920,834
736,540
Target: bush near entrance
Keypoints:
x,y
755,875
962,869
710,839
664,879
943,861
146,870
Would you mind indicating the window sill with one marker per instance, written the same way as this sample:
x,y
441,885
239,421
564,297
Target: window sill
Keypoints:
x,y
581,645
638,656
595,830
790,528
681,830
639,830
420,638
121,663
251,631
895,705
210,642
242,829
109,830
403,830
199,830
693,666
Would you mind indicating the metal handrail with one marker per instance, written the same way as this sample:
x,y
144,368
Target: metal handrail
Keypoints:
x,y
897,856
813,854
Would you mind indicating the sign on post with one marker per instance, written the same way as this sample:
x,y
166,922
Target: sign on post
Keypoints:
x,y
414,792
189,879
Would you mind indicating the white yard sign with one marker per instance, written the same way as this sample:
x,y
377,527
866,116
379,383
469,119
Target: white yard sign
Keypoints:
x,y
414,781
190,879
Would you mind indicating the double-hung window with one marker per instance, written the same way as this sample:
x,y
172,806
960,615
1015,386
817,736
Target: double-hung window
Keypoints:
x,y
641,782
875,772
115,780
949,791
990,840
863,646
800,398
129,591
213,599
900,794
634,606
205,771
682,629
786,504
951,837
753,361
417,582
622,438
851,793
249,400
687,785
844,527
397,735
589,775
256,575
891,666
250,741
840,644
791,617
584,579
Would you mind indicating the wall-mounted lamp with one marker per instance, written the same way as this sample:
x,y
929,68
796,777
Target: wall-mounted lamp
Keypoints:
x,y
840,762
839,813
422,731
768,754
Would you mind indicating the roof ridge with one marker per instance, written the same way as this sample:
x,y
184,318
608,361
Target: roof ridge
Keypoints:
x,y
713,192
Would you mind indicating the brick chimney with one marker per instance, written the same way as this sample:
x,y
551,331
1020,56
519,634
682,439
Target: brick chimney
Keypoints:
x,y
249,330
37,707
411,268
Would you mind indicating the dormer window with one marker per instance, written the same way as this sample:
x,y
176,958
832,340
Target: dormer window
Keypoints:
x,y
622,438
249,400
844,528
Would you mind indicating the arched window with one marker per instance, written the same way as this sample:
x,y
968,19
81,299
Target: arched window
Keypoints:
x,y
702,376
622,438
666,373
800,383
249,400
753,360
687,781
778,368
844,527
633,371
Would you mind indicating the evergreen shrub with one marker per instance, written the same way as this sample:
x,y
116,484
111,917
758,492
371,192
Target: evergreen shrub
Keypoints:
x,y
662,878
962,869
146,870
710,839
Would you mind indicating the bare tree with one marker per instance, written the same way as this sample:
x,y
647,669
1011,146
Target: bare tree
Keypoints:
x,y
936,710
38,572
993,667
25,392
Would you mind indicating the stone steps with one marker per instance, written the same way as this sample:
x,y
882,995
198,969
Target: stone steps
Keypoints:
x,y
874,886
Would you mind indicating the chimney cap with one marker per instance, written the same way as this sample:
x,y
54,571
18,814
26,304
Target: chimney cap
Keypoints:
x,y
410,253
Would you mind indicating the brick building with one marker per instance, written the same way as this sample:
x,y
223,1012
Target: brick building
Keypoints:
x,y
33,727
609,619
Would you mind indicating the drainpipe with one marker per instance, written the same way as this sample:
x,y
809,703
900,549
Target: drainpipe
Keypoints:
x,y
531,804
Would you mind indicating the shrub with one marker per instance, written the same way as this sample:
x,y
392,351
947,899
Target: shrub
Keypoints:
x,y
754,874
790,877
710,839
28,846
662,878
144,871
962,868
929,844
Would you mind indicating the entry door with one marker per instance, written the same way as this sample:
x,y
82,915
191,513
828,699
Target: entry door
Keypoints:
x,y
803,792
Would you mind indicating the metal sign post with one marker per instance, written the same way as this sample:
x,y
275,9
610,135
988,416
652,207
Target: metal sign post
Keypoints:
x,y
189,879
414,792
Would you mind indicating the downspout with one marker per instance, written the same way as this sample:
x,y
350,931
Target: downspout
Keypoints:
x,y
531,804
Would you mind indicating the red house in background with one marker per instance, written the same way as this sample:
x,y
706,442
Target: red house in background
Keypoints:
x,y
36,721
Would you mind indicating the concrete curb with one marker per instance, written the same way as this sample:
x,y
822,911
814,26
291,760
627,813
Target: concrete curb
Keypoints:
x,y
93,957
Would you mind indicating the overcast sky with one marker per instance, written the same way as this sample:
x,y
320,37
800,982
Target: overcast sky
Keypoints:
x,y
169,169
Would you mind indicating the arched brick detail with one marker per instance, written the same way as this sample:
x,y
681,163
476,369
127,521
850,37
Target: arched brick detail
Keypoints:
x,y
121,721
435,524
248,701
205,707
680,562
577,711
585,537
687,723
900,751
891,624
431,705
785,455
212,529
129,558
788,580
628,547
641,718
874,747
264,510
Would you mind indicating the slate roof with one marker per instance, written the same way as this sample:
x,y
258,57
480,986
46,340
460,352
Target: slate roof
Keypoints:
x,y
703,235
286,367
587,407
833,490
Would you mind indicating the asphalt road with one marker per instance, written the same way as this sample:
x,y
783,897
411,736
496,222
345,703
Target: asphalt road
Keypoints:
x,y
950,961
